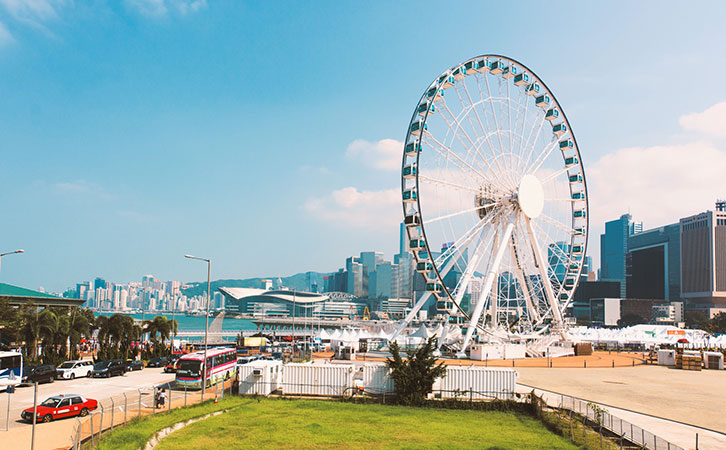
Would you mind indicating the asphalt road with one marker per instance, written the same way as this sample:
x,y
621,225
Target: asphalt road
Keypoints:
x,y
100,389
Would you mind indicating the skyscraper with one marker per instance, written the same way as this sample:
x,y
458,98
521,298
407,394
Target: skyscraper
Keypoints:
x,y
703,257
613,248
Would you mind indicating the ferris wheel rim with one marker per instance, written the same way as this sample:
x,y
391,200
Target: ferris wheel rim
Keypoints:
x,y
418,141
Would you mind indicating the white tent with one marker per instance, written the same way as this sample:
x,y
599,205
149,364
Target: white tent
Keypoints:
x,y
422,333
323,335
335,335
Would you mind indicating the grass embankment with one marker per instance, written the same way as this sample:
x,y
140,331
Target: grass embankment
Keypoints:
x,y
295,424
138,431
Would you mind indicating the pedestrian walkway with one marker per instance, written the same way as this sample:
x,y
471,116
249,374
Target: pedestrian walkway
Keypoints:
x,y
681,434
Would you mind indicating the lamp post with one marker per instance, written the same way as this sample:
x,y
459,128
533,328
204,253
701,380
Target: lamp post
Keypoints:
x,y
206,319
10,253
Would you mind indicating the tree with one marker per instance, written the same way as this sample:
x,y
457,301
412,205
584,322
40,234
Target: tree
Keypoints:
x,y
717,324
696,320
414,377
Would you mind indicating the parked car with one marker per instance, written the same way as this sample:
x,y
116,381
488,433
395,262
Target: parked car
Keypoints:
x,y
158,361
247,359
40,374
109,368
134,364
60,406
73,369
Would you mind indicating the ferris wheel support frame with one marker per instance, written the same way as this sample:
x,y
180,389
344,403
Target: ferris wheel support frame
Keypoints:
x,y
493,271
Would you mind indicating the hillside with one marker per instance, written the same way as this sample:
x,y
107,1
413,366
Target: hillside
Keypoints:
x,y
299,281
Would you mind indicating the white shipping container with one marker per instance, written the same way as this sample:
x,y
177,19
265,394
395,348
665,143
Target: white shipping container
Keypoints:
x,y
713,360
482,352
259,377
477,383
666,357
377,380
317,379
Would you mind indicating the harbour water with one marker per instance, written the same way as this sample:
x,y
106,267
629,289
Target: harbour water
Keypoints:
x,y
187,323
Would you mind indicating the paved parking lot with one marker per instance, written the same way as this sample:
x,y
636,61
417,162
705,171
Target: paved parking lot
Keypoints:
x,y
49,435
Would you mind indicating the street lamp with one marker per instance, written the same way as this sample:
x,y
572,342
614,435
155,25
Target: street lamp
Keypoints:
x,y
10,253
206,319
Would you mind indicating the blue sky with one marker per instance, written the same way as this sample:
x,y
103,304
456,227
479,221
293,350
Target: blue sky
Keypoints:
x,y
262,134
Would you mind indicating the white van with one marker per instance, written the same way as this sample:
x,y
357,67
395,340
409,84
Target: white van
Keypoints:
x,y
74,369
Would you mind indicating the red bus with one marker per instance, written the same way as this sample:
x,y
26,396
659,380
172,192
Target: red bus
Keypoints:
x,y
221,365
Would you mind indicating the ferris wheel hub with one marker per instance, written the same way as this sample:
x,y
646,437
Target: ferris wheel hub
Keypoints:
x,y
530,196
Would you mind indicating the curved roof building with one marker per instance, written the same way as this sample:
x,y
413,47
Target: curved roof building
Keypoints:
x,y
287,303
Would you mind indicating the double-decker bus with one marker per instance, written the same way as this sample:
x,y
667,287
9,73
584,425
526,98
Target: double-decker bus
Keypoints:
x,y
221,365
11,368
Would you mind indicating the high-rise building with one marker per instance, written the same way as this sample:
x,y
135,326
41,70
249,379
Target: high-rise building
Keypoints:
x,y
354,272
703,257
613,248
653,264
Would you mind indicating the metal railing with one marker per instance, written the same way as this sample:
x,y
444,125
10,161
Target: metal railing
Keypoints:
x,y
118,410
600,419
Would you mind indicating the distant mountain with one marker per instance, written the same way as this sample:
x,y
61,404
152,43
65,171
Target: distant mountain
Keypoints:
x,y
300,282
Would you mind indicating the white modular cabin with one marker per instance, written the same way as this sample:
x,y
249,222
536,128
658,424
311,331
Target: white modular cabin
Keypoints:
x,y
317,379
261,377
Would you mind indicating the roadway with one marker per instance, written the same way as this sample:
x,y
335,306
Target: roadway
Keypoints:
x,y
101,389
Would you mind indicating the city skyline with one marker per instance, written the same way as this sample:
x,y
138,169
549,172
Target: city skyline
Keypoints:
x,y
118,161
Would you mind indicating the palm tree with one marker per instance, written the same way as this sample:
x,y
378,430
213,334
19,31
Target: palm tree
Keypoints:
x,y
158,325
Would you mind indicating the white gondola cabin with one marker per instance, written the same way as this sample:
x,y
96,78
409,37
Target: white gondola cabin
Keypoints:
x,y
577,249
509,72
434,287
409,195
470,67
417,244
413,148
434,93
579,231
458,73
543,101
424,267
559,129
579,214
497,67
532,89
521,79
571,161
567,144
409,171
425,106
577,178
483,65
448,82
412,220
552,114
417,126
578,196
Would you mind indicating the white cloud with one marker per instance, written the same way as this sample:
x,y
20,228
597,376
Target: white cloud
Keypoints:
x,y
658,185
711,121
384,154
5,36
81,188
158,8
33,11
350,207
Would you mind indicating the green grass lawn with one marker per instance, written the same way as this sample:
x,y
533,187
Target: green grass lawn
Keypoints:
x,y
299,424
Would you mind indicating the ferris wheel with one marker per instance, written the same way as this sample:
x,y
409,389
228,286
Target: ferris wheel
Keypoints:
x,y
494,199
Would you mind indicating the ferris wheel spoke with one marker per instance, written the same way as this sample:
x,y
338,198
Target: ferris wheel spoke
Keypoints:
x,y
463,283
533,145
483,129
464,240
555,223
473,145
472,169
522,280
466,211
554,175
447,184
534,167
545,280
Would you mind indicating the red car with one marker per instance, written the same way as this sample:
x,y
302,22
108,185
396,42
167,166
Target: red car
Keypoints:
x,y
60,406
